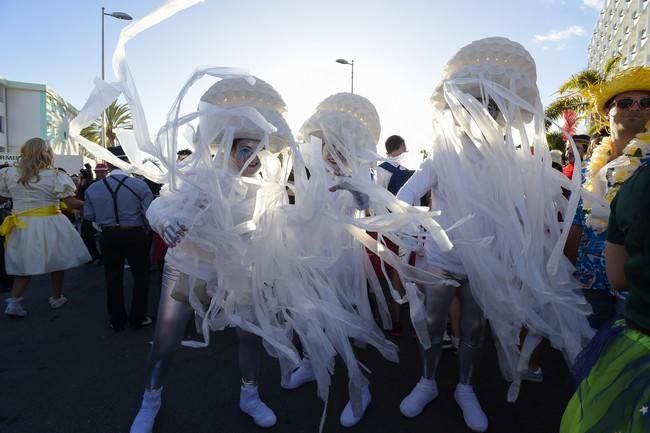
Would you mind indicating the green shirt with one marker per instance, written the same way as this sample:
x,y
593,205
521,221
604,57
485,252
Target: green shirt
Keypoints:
x,y
629,225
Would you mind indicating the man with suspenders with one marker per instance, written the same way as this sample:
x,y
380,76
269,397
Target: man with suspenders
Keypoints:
x,y
118,204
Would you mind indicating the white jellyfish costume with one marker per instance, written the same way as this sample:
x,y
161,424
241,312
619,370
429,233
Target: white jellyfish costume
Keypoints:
x,y
336,202
490,160
236,258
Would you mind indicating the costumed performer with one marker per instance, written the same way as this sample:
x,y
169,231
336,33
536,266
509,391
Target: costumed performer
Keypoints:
x,y
206,223
507,252
338,148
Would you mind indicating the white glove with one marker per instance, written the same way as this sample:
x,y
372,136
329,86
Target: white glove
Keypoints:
x,y
173,232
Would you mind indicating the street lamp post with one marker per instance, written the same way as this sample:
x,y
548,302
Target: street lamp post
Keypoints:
x,y
119,16
351,63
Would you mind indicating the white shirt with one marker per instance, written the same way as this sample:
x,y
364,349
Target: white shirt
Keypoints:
x,y
383,175
423,180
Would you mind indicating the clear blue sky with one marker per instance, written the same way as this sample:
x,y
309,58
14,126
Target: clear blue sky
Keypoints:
x,y
399,48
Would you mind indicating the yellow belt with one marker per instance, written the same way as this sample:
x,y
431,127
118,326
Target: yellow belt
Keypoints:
x,y
13,220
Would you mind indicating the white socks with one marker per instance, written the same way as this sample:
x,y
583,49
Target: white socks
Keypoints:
x,y
151,401
474,416
250,403
348,419
301,375
424,392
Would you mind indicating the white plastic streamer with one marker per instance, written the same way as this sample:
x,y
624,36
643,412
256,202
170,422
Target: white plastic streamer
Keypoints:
x,y
500,170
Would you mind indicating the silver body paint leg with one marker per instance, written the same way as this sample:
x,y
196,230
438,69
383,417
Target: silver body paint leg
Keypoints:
x,y
438,298
172,319
249,357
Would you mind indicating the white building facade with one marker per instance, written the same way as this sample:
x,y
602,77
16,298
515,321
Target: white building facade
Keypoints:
x,y
622,28
32,110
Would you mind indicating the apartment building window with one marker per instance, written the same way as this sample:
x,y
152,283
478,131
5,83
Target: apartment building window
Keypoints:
x,y
2,125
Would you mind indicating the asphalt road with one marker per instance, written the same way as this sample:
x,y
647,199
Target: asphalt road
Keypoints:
x,y
65,371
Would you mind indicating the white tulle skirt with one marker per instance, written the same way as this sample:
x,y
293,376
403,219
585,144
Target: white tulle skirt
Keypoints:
x,y
46,245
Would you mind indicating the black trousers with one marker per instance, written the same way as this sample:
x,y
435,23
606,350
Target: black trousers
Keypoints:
x,y
118,245
88,235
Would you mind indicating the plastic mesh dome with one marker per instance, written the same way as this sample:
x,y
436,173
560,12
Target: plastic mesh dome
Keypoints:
x,y
355,106
238,92
495,59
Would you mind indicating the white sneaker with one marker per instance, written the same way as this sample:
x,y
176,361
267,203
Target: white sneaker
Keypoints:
x,y
301,375
151,401
348,419
14,308
475,418
424,392
250,403
58,302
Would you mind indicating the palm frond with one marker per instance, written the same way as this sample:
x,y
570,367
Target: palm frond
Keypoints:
x,y
581,81
92,133
611,65
555,140
117,116
567,103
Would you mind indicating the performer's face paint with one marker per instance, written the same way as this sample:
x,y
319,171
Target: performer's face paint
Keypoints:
x,y
333,156
492,108
241,152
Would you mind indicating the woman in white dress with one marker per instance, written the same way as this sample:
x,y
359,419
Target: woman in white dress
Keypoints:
x,y
39,239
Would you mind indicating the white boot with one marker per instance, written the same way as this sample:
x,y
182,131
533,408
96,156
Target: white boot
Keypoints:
x,y
301,375
14,308
424,392
474,416
151,401
348,419
250,403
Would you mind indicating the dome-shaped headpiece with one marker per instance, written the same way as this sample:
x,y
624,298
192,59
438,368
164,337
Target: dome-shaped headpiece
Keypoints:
x,y
239,92
495,59
346,111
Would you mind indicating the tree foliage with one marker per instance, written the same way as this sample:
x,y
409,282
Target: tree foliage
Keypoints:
x,y
117,116
570,95
555,140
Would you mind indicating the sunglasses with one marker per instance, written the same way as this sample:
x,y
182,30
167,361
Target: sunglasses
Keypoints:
x,y
626,103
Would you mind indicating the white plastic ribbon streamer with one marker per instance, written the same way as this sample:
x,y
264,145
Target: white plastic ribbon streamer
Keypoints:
x,y
485,167
248,260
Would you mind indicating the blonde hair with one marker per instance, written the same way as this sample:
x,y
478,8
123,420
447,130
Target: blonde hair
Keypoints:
x,y
35,155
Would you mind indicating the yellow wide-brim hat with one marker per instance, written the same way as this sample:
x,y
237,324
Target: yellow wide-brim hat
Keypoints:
x,y
627,80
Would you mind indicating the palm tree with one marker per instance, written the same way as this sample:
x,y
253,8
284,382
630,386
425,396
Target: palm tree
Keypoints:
x,y
555,140
571,98
116,116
